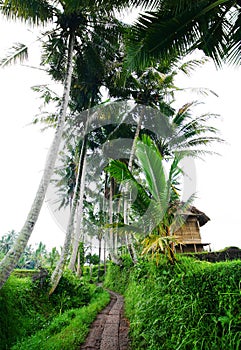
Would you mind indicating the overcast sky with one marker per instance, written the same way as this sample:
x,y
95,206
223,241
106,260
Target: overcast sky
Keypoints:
x,y
23,148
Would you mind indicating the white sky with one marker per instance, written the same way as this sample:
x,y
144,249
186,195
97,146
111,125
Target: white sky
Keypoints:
x,y
23,148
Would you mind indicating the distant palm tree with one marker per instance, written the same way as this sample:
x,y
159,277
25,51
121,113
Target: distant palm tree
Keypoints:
x,y
7,240
188,135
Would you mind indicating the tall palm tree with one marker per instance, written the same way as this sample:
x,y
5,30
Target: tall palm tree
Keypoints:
x,y
11,259
72,19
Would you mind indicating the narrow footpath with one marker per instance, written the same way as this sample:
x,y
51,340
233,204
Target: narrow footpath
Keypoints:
x,y
110,329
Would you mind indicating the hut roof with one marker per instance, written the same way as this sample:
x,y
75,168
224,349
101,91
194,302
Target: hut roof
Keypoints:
x,y
201,216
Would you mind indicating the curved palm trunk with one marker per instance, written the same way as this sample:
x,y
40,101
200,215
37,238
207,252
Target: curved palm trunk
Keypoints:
x,y
57,273
11,259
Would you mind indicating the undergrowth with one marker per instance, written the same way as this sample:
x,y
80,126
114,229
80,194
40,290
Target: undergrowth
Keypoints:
x,y
26,311
69,330
190,306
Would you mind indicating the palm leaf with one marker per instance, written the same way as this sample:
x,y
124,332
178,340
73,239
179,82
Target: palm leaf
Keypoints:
x,y
19,52
177,28
32,11
151,164
120,172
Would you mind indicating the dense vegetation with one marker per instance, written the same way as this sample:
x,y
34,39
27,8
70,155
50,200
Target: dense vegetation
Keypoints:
x,y
187,304
31,320
191,305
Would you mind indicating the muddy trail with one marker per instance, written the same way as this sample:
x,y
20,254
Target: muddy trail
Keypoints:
x,y
110,329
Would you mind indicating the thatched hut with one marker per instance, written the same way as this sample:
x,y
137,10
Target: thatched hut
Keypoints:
x,y
188,235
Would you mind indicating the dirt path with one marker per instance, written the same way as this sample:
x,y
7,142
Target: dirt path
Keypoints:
x,y
110,329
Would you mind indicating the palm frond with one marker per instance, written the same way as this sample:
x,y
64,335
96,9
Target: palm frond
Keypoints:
x,y
18,52
178,29
32,11
151,164
119,171
189,66
233,51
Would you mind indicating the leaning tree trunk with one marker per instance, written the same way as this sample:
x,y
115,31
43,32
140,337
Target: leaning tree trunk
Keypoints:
x,y
58,272
11,259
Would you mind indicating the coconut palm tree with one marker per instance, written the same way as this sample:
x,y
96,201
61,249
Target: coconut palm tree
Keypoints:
x,y
72,18
11,259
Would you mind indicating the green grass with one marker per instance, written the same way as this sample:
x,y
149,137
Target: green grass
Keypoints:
x,y
69,330
28,313
191,306
23,310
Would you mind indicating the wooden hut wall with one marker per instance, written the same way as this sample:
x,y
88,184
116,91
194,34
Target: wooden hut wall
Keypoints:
x,y
189,232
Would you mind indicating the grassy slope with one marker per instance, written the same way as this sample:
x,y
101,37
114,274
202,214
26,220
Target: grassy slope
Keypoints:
x,y
193,305
66,331
59,322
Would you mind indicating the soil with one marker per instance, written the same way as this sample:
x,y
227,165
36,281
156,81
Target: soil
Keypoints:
x,y
110,329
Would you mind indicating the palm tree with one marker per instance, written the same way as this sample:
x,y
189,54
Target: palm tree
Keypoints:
x,y
72,19
189,135
179,27
11,259
7,240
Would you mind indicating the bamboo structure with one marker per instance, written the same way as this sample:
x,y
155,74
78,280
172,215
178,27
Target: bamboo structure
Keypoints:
x,y
188,235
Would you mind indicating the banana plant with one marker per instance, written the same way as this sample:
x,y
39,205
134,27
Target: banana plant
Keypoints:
x,y
156,208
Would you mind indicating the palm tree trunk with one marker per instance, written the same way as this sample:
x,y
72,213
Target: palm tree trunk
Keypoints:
x,y
129,237
114,258
111,219
78,270
79,227
105,255
57,273
11,259
100,239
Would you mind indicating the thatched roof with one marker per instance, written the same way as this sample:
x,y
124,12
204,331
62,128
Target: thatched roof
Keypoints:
x,y
201,216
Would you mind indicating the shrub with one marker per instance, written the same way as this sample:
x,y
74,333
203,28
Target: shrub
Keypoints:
x,y
71,292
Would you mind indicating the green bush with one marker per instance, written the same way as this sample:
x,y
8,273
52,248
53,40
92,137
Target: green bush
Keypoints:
x,y
71,292
117,277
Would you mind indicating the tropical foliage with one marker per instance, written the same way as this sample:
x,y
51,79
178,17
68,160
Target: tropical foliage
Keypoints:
x,y
179,27
157,203
87,50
